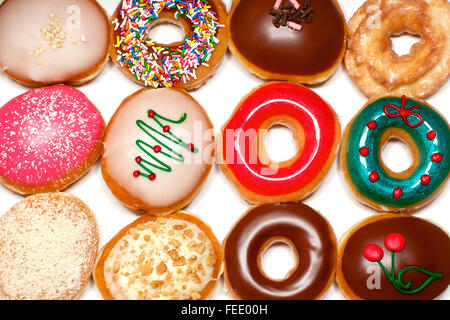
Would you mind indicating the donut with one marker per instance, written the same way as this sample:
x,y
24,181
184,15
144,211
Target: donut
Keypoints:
x,y
417,124
158,150
186,64
302,41
377,69
394,257
176,257
242,154
310,237
49,138
48,248
53,41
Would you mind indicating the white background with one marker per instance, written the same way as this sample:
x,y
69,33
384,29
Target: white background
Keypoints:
x,y
218,203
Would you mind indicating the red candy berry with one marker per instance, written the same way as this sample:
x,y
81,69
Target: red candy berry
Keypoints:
x,y
166,128
394,242
425,179
190,147
152,177
364,151
431,135
373,176
151,114
372,125
373,253
157,148
136,173
138,159
437,157
397,193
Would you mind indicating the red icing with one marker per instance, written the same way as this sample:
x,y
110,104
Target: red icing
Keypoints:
x,y
364,151
300,104
373,176
372,125
431,135
373,253
151,114
166,128
425,179
437,157
136,173
157,148
394,242
190,147
138,159
152,176
46,133
397,193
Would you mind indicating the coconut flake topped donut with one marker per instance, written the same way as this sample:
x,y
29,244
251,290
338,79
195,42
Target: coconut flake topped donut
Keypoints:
x,y
186,64
53,41
49,138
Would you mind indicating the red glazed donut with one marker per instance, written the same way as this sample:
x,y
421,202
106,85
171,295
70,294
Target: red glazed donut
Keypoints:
x,y
242,153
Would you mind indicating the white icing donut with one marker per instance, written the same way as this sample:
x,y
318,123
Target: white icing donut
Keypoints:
x,y
53,41
157,176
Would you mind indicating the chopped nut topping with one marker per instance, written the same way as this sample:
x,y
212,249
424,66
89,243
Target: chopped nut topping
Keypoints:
x,y
179,226
146,269
180,262
188,233
173,254
156,283
161,268
200,247
211,260
175,243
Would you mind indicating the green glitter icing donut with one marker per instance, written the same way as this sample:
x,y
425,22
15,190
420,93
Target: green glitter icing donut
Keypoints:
x,y
425,131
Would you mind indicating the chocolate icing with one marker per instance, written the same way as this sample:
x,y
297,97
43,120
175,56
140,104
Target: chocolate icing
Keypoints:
x,y
308,231
426,246
312,50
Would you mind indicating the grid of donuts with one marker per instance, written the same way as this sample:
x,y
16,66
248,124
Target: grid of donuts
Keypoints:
x,y
155,152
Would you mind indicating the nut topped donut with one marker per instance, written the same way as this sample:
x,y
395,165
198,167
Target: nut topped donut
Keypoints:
x,y
301,41
158,150
394,257
377,69
186,64
49,138
53,41
174,257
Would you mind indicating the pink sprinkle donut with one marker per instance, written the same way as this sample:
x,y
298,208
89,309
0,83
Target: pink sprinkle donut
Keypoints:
x,y
49,138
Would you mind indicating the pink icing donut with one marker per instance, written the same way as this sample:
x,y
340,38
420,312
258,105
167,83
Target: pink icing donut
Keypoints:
x,y
49,137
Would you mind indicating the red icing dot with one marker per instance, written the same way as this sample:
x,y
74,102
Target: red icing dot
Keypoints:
x,y
152,177
166,128
364,151
136,173
157,148
394,242
373,253
425,179
431,135
372,125
138,159
190,147
437,157
373,176
397,193
151,114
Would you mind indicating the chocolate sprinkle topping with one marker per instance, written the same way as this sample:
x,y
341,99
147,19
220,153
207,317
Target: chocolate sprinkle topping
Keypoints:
x,y
287,12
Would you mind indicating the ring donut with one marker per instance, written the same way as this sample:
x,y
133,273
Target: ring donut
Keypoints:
x,y
307,233
377,69
185,64
394,257
53,41
422,128
242,153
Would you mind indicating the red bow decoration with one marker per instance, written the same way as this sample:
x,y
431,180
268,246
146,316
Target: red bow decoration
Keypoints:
x,y
404,113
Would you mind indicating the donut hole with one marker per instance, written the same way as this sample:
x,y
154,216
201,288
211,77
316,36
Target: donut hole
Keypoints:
x,y
402,43
280,144
396,155
278,259
166,32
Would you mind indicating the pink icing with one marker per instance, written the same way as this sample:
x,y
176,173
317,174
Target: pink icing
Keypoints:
x,y
46,133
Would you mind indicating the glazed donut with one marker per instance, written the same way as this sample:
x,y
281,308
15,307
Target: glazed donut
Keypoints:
x,y
377,69
49,138
307,233
53,41
186,64
158,150
48,247
301,41
242,153
422,128
172,257
394,257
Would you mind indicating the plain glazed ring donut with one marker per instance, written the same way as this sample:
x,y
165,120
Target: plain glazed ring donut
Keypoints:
x,y
394,257
242,152
303,229
377,69
302,41
186,64
53,41
422,128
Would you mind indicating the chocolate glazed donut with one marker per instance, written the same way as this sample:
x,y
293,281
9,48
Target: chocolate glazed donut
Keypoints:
x,y
299,226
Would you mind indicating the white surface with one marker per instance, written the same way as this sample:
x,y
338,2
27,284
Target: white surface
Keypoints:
x,y
218,203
